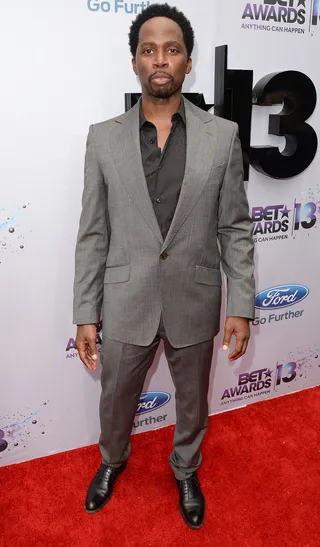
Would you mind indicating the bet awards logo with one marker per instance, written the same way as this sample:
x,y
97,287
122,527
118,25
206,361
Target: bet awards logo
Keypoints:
x,y
250,385
262,382
279,11
282,378
295,16
274,222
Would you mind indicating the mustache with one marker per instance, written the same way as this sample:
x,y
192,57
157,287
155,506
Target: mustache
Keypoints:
x,y
160,73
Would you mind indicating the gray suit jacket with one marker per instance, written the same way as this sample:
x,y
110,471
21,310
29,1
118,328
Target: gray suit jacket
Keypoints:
x,y
118,267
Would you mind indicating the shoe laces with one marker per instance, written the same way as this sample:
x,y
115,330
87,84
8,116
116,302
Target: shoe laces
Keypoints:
x,y
104,471
190,486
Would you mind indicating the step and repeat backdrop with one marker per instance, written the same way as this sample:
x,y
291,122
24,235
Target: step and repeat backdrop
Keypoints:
x,y
67,65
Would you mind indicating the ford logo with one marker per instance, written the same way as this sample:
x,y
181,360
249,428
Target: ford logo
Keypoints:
x,y
152,400
281,296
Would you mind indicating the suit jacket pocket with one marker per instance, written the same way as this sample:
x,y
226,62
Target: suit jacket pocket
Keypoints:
x,y
117,274
207,276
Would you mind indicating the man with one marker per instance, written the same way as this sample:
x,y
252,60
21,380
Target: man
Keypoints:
x,y
163,183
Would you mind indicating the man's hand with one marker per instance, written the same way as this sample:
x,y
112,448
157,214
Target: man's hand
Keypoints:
x,y
239,326
86,345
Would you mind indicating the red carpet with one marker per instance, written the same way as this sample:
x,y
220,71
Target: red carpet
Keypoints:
x,y
261,478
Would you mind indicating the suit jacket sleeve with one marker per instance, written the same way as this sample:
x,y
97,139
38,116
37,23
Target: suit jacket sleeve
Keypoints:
x,y
92,242
235,237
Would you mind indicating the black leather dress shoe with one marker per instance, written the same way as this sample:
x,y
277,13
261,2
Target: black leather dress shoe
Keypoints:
x,y
192,503
101,487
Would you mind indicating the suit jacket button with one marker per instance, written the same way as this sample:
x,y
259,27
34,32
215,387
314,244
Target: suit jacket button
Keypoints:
x,y
164,255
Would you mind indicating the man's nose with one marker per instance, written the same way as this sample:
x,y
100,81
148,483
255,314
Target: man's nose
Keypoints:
x,y
160,60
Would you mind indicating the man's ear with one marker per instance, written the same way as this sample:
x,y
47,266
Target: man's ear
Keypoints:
x,y
189,66
134,65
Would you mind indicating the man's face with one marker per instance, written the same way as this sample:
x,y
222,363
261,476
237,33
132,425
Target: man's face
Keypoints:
x,y
161,60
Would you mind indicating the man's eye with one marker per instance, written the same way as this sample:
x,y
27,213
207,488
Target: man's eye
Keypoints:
x,y
148,51
173,50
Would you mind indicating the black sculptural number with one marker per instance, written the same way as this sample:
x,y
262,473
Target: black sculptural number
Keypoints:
x,y
298,95
234,98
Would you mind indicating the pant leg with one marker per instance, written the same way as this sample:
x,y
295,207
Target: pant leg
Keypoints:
x,y
190,371
124,369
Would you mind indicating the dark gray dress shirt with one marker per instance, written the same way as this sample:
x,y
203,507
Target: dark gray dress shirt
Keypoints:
x,y
164,171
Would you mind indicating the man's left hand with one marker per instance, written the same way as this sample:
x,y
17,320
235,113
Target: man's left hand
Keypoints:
x,y
240,328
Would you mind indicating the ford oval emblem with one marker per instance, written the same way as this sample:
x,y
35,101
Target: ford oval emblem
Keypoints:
x,y
152,400
281,296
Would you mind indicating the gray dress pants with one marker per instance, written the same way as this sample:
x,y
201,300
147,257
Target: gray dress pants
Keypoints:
x,y
124,369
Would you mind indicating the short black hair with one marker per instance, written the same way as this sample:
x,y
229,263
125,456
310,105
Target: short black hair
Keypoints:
x,y
161,10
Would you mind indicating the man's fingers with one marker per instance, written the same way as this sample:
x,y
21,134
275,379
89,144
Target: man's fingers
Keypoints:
x,y
89,360
92,353
84,358
240,349
85,355
226,338
93,349
86,345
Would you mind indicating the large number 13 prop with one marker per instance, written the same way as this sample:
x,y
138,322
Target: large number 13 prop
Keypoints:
x,y
234,99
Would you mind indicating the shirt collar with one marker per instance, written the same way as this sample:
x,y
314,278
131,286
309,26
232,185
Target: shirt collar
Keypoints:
x,y
180,114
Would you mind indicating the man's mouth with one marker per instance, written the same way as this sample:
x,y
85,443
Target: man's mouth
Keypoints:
x,y
161,78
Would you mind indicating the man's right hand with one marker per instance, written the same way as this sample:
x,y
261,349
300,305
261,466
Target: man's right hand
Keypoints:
x,y
86,345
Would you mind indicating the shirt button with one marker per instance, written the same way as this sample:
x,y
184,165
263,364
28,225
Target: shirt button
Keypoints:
x,y
158,200
151,141
164,255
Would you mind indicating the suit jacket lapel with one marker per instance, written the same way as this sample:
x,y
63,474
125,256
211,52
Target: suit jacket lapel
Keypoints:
x,y
125,144
201,139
